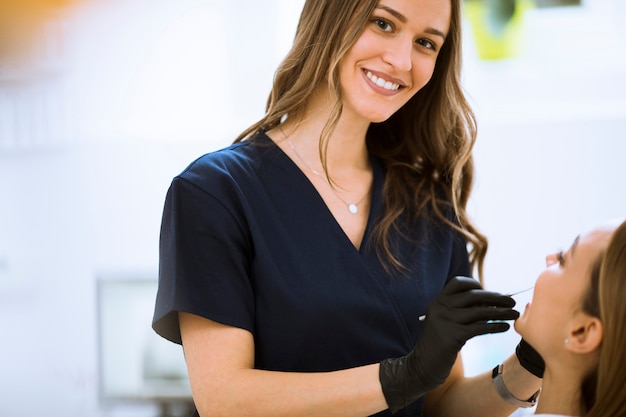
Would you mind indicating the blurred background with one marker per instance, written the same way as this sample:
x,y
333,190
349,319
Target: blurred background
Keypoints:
x,y
102,102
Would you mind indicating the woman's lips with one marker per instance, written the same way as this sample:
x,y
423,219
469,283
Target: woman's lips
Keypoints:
x,y
383,84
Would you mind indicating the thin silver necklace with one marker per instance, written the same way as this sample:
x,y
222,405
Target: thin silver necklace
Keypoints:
x,y
353,208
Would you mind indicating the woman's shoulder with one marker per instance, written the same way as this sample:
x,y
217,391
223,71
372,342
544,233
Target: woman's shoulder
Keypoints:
x,y
241,159
238,154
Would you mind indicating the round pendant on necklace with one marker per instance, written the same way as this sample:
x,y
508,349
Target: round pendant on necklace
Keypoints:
x,y
352,208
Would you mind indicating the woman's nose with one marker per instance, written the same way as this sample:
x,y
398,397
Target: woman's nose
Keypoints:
x,y
551,259
399,54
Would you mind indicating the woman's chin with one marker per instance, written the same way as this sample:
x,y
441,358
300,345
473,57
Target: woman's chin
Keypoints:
x,y
520,324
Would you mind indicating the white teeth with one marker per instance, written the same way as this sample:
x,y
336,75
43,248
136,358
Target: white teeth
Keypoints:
x,y
387,85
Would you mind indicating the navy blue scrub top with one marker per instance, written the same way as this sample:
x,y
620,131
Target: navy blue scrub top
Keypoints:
x,y
247,241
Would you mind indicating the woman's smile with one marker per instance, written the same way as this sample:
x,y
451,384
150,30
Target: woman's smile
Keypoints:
x,y
383,83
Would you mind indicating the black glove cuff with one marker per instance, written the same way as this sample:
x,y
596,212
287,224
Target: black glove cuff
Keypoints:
x,y
530,359
400,388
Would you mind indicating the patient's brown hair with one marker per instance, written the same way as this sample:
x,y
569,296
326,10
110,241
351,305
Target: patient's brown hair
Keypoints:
x,y
610,392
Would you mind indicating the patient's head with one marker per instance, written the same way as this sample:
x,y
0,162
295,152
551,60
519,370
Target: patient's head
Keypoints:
x,y
563,321
576,323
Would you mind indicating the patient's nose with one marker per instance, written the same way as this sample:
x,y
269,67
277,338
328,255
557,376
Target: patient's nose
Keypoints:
x,y
551,259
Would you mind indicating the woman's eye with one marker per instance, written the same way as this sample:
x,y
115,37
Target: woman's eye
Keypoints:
x,y
383,24
560,258
427,44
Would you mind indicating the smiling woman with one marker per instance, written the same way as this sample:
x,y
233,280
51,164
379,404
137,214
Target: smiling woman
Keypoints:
x,y
299,258
551,129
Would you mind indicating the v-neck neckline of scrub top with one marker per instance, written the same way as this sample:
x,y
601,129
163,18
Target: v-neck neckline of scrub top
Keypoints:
x,y
374,198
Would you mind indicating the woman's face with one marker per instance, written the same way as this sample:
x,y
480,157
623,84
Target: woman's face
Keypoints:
x,y
394,57
559,292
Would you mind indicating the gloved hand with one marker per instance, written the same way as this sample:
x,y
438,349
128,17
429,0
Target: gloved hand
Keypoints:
x,y
462,310
530,359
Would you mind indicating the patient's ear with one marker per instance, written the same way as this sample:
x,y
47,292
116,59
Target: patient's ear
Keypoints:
x,y
585,335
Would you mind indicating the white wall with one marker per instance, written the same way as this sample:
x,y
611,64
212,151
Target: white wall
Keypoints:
x,y
551,147
549,165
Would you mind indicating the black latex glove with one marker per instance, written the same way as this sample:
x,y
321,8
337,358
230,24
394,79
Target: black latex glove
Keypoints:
x,y
462,310
530,359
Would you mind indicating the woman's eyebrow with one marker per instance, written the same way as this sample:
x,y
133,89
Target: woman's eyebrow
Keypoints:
x,y
393,12
436,32
402,18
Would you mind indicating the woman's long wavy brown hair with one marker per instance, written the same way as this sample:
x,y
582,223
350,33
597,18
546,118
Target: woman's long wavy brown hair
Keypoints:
x,y
610,386
426,146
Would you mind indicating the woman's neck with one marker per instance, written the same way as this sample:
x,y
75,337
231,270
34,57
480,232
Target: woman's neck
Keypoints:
x,y
560,393
347,150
